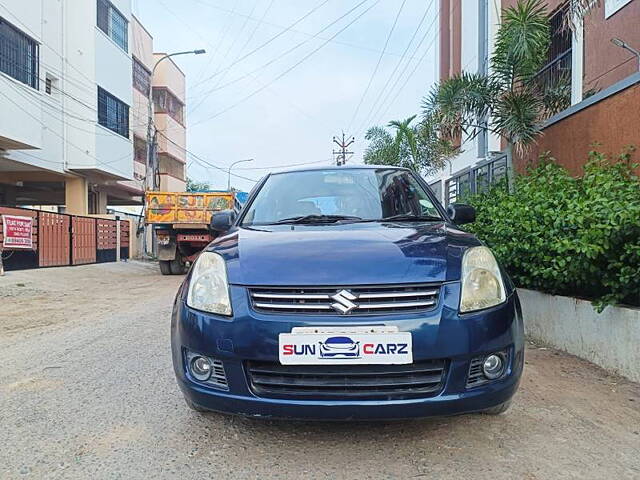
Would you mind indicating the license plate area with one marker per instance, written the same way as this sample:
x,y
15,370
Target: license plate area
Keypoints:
x,y
361,345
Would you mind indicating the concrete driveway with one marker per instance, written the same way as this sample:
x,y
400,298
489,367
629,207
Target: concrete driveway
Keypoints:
x,y
87,391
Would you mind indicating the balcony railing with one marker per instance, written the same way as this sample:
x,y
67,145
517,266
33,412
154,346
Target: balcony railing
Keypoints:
x,y
554,81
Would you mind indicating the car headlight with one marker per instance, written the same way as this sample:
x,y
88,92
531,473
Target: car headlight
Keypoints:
x,y
482,285
208,288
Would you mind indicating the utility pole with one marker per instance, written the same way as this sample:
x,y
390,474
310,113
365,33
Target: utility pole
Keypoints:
x,y
151,181
151,176
341,157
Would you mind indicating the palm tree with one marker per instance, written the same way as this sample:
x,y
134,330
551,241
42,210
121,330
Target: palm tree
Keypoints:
x,y
413,146
506,101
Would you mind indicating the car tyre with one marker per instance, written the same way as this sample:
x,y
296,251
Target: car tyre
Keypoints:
x,y
165,267
194,407
498,409
177,266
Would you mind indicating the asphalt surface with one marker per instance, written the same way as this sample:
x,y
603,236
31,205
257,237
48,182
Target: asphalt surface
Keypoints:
x,y
87,391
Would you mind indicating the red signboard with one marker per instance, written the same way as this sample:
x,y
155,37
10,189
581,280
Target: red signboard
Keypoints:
x,y
17,232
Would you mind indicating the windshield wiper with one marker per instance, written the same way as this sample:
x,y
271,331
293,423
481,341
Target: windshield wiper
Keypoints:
x,y
411,217
314,219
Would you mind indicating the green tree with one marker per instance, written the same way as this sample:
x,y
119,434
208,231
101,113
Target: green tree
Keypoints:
x,y
194,186
416,147
507,101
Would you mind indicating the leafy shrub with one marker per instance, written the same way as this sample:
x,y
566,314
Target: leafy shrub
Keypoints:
x,y
569,236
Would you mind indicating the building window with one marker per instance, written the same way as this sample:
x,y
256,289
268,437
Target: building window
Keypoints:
x,y
139,150
51,85
113,113
170,166
141,77
113,23
166,102
555,77
18,55
612,6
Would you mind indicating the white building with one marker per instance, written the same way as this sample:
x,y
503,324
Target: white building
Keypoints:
x,y
65,95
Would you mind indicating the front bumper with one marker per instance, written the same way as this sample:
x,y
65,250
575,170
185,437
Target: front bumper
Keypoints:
x,y
438,334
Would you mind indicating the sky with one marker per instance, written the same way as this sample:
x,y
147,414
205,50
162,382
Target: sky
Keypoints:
x,y
280,101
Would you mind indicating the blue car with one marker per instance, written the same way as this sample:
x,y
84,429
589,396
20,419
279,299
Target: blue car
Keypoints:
x,y
345,293
339,347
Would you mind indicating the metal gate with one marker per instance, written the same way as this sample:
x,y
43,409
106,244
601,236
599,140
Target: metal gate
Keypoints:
x,y
83,240
61,239
125,227
107,240
54,239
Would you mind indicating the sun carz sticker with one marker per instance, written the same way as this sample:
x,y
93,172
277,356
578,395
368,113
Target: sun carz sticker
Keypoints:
x,y
344,349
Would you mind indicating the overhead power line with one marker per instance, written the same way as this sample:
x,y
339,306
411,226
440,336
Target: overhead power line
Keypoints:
x,y
255,92
375,70
264,44
261,21
278,57
197,157
399,90
283,98
411,74
400,61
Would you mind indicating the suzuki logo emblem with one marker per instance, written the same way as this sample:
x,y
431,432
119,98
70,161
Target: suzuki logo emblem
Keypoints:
x,y
344,301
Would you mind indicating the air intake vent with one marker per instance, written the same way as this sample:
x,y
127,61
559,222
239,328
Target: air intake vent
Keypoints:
x,y
356,300
476,377
273,380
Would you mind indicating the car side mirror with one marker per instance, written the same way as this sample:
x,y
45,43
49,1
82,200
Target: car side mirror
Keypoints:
x,y
461,213
222,221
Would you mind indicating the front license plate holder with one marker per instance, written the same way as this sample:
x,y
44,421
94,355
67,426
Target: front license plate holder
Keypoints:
x,y
362,345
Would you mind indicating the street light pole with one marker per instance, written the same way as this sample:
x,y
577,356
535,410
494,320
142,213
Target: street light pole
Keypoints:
x,y
229,172
152,183
151,131
622,44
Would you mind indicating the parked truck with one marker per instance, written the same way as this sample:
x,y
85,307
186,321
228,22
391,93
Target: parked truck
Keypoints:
x,y
181,224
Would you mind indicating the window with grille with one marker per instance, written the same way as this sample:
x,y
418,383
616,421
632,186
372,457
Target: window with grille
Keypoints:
x,y
555,77
113,23
166,102
18,55
141,77
139,150
113,113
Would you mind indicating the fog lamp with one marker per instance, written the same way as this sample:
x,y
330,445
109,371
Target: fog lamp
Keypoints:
x,y
201,368
493,366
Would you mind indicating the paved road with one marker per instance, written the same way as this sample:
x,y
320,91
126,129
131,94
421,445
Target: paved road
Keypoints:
x,y
87,391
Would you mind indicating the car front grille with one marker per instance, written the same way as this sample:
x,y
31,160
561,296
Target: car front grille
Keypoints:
x,y
389,382
357,300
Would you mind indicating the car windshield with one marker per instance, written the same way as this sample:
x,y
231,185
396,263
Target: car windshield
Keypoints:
x,y
328,196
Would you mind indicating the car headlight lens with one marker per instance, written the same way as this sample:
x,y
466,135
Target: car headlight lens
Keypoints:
x,y
208,288
482,285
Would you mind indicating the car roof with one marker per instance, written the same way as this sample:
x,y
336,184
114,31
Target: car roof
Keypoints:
x,y
360,166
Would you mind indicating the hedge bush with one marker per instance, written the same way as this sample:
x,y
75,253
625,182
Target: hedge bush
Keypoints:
x,y
578,237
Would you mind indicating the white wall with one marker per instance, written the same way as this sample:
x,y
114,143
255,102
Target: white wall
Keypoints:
x,y
609,339
21,118
61,129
